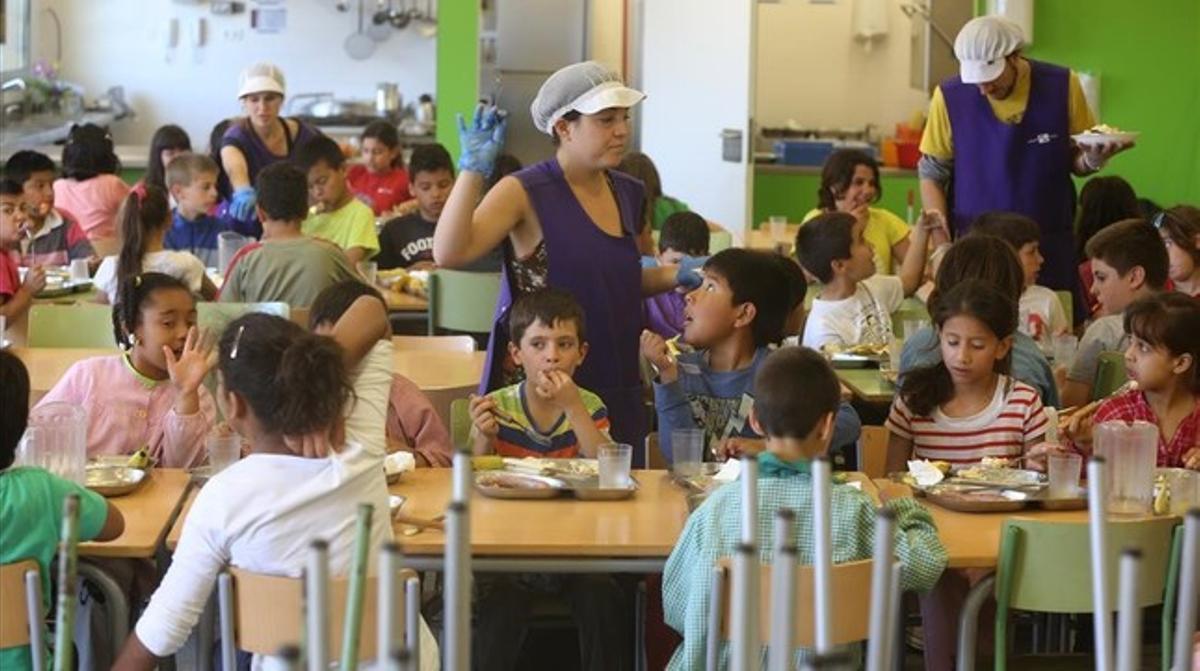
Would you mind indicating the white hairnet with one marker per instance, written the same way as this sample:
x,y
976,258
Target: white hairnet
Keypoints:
x,y
586,87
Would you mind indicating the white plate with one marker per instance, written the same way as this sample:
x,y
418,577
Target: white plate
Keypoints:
x,y
1087,139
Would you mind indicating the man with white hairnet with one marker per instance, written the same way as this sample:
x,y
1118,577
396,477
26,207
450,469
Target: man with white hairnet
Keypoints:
x,y
999,138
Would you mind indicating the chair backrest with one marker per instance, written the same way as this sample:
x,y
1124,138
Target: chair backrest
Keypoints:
x,y
872,451
78,325
214,317
445,343
719,241
851,582
460,422
1032,562
14,616
654,456
1068,302
268,613
909,310
462,301
1110,374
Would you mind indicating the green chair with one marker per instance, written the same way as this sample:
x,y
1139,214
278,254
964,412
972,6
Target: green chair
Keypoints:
x,y
84,325
214,317
1068,302
1110,374
719,241
1171,599
460,423
912,309
1043,567
462,301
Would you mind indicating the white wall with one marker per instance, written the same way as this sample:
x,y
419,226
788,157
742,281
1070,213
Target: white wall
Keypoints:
x,y
810,70
607,33
122,42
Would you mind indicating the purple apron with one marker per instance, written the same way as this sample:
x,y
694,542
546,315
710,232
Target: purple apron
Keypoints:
x,y
258,156
604,274
1023,167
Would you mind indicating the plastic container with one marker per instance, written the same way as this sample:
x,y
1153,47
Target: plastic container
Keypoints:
x,y
803,152
56,440
1130,450
908,154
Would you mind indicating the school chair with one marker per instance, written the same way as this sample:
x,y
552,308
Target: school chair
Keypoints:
x,y
1110,374
462,301
654,459
872,451
21,617
912,309
214,317
460,424
84,325
443,343
1032,576
1068,303
851,582
719,241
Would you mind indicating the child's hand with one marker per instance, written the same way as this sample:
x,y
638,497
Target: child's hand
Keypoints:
x,y
483,416
1191,458
1036,457
655,350
735,448
558,388
35,280
933,223
194,362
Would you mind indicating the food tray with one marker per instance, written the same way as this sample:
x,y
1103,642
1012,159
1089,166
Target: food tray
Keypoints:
x,y
844,360
58,290
952,497
113,481
589,490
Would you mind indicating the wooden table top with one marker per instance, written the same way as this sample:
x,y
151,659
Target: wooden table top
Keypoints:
x,y
398,301
149,512
867,384
429,370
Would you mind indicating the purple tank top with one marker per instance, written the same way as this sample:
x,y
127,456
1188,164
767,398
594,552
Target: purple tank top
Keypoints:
x,y
604,274
1023,167
258,156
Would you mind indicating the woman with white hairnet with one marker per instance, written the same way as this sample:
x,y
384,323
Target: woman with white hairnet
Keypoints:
x,y
999,138
260,138
569,222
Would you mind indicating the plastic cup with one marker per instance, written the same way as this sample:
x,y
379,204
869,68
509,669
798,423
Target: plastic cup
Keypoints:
x,y
369,271
1063,349
79,270
614,461
687,451
228,244
1184,486
1063,471
223,450
777,225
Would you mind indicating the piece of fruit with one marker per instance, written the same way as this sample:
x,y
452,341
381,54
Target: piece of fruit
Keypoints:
x,y
139,459
490,462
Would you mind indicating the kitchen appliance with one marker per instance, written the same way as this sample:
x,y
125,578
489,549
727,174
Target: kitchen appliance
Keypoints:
x,y
387,98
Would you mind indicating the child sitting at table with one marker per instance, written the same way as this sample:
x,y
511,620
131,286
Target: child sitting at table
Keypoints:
x,y
152,395
285,265
167,142
31,501
145,221
730,322
1129,262
16,295
546,414
1041,312
855,304
312,410
192,182
336,215
988,258
966,407
1163,357
54,238
412,423
89,189
380,180
683,234
1180,230
796,395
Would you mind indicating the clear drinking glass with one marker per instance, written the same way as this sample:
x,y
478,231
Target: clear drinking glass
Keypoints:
x,y
1064,347
79,270
614,461
223,450
777,225
228,244
369,271
687,451
1063,471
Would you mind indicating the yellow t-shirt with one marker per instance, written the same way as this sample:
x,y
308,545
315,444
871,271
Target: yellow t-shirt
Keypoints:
x,y
351,225
937,142
883,231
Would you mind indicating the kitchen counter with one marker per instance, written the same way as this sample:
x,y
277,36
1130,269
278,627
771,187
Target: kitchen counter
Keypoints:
x,y
46,129
131,155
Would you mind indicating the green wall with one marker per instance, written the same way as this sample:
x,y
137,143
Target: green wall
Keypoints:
x,y
795,194
457,67
1148,57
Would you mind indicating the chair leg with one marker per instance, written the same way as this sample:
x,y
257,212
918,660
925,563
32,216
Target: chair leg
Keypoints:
x,y
968,623
114,600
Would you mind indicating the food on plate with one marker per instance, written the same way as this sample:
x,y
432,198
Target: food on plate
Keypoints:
x,y
139,459
510,481
925,473
996,462
1162,495
1103,129
487,462
861,349
415,282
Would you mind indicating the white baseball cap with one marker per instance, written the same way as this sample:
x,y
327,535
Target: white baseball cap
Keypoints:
x,y
261,78
586,87
982,45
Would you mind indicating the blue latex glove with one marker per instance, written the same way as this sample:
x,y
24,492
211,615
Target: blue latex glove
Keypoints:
x,y
241,205
481,143
688,275
649,262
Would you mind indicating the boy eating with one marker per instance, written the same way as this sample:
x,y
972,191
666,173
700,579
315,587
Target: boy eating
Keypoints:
x,y
796,394
336,215
54,238
546,415
15,296
192,181
683,234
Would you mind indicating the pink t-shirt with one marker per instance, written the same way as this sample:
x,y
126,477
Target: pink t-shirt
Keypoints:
x,y
127,411
92,202
412,420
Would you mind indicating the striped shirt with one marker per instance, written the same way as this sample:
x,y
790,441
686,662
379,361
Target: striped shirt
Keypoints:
x,y
523,438
1012,420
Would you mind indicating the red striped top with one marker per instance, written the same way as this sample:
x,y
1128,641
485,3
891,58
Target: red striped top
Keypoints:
x,y
1013,419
